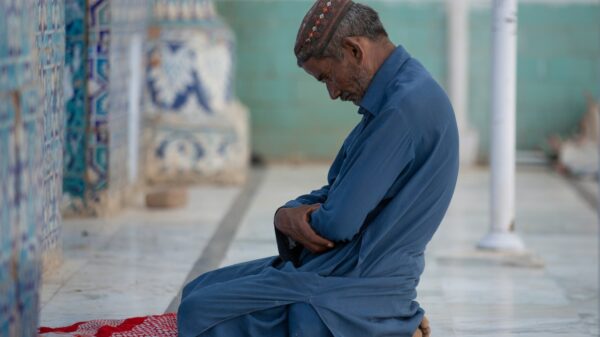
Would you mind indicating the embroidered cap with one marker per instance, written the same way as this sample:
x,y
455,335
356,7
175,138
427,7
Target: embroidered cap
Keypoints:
x,y
318,27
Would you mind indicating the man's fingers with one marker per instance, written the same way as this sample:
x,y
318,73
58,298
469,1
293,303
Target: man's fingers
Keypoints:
x,y
307,236
313,207
313,238
309,210
321,241
315,248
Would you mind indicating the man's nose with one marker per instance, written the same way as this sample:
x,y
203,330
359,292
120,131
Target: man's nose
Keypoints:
x,y
334,92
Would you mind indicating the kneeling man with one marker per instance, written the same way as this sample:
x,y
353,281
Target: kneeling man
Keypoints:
x,y
351,252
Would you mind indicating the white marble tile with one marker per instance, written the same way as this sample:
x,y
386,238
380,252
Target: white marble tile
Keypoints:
x,y
132,264
255,237
242,251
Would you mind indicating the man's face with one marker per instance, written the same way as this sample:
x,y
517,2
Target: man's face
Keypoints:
x,y
345,78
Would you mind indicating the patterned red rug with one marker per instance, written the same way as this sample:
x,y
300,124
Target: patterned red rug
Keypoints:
x,y
149,326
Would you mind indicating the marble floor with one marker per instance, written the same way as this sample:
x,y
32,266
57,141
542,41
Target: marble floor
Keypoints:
x,y
136,263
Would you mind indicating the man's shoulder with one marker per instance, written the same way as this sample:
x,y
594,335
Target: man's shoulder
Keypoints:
x,y
413,85
416,99
410,77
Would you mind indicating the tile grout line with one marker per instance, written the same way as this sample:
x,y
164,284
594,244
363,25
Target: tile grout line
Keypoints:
x,y
214,252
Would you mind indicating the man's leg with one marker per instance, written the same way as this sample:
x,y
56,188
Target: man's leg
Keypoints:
x,y
227,274
303,321
269,322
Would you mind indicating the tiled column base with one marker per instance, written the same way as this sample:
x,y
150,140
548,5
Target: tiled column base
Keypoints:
x,y
215,150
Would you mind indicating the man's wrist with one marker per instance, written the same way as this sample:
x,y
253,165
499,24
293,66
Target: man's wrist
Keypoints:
x,y
276,216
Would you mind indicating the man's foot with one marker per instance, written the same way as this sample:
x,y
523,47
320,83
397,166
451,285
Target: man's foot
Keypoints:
x,y
424,329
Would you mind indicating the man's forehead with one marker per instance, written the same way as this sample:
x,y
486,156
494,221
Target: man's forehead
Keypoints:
x,y
316,67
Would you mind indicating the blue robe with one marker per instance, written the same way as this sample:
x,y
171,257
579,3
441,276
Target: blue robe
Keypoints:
x,y
388,190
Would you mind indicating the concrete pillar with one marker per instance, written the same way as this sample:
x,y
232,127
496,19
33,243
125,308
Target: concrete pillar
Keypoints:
x,y
504,69
458,76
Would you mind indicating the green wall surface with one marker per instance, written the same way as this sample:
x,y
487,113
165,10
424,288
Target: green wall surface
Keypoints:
x,y
293,117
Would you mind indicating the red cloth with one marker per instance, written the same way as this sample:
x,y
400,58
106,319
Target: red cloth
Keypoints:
x,y
148,326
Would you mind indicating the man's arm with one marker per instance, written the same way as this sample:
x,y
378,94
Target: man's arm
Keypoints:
x,y
314,197
381,154
293,233
292,221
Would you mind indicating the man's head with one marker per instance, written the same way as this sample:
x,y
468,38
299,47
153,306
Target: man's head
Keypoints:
x,y
342,44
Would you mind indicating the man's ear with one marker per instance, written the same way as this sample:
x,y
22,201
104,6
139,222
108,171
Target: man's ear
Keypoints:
x,y
354,48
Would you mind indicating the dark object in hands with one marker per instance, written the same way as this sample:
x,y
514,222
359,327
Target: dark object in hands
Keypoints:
x,y
293,232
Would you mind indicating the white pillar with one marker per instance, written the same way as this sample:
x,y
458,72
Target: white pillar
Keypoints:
x,y
458,76
136,76
504,69
598,172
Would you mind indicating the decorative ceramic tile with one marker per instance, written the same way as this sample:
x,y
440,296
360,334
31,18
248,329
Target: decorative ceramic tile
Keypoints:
x,y
128,22
28,169
8,210
98,100
75,141
196,129
192,72
196,152
20,170
183,12
99,35
50,39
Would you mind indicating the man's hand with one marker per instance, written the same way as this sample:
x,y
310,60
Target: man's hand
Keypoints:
x,y
294,223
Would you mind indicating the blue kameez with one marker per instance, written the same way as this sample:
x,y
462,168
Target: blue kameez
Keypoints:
x,y
388,190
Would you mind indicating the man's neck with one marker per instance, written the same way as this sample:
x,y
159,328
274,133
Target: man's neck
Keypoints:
x,y
380,52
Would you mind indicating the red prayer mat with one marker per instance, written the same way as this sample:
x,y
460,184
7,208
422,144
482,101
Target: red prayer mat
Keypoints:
x,y
149,326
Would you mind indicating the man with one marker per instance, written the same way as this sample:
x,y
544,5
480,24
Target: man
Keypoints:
x,y
350,253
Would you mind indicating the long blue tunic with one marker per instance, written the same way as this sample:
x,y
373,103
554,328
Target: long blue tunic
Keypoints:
x,y
388,190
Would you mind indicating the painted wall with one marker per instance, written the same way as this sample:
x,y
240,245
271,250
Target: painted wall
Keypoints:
x,y
292,115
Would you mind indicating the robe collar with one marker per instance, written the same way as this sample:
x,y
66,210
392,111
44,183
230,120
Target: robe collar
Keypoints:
x,y
374,94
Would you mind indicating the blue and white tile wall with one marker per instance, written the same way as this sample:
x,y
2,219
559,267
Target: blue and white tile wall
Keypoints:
x,y
75,88
129,22
98,103
196,129
99,39
26,172
50,40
